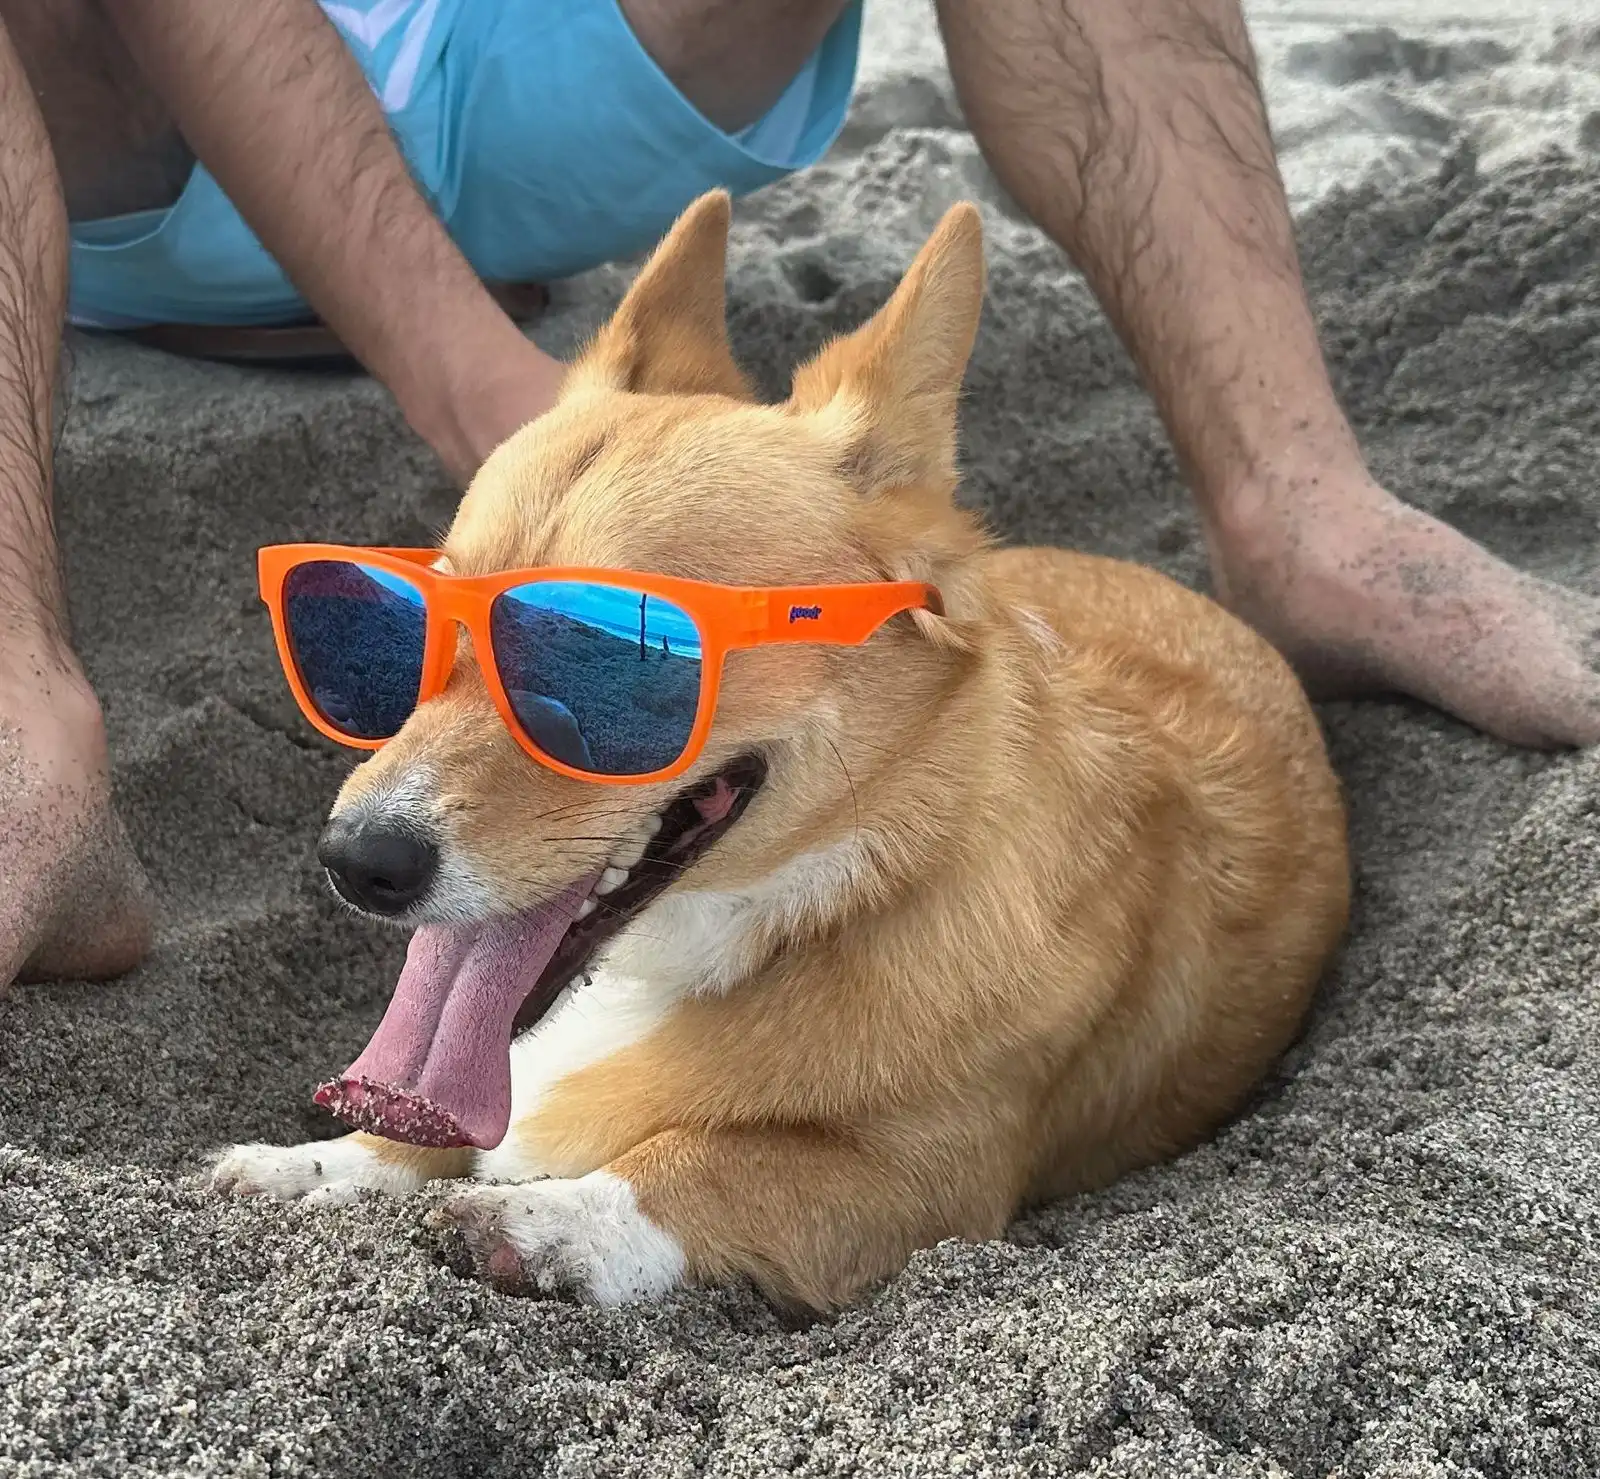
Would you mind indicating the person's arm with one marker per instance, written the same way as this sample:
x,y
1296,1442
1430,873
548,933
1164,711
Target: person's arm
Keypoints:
x,y
271,101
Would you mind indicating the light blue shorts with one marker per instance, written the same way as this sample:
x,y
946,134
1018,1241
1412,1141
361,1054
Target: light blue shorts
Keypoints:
x,y
543,134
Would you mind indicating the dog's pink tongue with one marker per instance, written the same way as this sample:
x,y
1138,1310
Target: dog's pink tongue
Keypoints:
x,y
438,1069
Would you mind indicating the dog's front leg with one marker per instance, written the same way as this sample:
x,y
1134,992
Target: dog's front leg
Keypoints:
x,y
811,1217
334,1171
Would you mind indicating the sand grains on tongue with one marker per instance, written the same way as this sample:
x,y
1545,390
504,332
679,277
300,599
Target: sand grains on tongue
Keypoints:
x,y
437,1071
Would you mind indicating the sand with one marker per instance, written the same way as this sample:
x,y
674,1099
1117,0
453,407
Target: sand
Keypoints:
x,y
1390,1265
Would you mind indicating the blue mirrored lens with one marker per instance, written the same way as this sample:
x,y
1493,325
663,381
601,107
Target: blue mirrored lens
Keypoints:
x,y
358,635
602,678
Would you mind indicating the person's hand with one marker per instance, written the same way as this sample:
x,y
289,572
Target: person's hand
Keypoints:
x,y
497,394
520,390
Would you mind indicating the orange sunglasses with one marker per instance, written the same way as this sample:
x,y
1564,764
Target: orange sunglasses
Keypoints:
x,y
602,675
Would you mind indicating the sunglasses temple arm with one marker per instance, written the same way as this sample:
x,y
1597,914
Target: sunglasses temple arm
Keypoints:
x,y
845,615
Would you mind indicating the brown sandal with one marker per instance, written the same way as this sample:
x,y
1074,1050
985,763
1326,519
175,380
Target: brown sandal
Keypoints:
x,y
304,346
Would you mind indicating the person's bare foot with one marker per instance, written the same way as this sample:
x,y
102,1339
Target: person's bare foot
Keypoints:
x,y
74,902
1366,595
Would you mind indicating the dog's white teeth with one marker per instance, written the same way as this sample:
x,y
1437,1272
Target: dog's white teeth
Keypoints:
x,y
629,856
587,907
612,878
653,824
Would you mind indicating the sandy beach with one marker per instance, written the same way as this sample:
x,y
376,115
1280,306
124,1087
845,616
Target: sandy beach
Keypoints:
x,y
1388,1266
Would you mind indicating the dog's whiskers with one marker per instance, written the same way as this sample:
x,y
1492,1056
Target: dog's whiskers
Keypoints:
x,y
855,801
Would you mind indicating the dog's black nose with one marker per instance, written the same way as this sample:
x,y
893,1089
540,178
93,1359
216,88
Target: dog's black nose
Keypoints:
x,y
378,867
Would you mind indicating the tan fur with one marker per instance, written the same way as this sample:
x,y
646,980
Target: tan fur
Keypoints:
x,y
1100,857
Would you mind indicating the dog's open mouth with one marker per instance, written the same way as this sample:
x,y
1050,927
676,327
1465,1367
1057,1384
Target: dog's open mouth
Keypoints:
x,y
437,1071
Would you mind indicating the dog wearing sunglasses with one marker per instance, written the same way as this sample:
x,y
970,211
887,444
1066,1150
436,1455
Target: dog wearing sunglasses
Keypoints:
x,y
888,884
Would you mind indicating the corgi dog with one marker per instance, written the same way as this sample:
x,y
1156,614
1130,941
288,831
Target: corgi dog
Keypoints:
x,y
1021,879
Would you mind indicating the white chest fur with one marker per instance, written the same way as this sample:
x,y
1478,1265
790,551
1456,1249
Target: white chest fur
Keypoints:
x,y
687,944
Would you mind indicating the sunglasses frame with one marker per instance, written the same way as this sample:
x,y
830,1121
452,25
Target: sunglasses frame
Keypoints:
x,y
729,619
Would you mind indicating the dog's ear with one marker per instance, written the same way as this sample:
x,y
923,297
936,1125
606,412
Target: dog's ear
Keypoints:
x,y
888,393
669,335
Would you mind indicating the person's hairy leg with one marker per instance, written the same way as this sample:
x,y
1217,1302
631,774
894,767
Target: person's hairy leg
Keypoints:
x,y
1135,134
271,101
72,898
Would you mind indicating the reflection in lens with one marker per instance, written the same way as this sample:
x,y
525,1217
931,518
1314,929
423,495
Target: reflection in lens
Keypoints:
x,y
357,634
599,672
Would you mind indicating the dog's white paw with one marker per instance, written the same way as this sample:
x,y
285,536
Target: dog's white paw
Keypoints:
x,y
323,1173
586,1238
